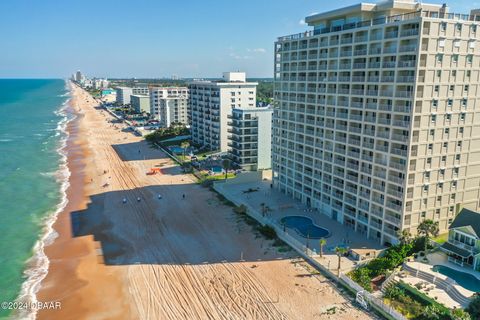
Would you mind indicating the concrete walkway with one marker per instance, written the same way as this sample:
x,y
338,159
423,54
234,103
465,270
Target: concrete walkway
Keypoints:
x,y
280,205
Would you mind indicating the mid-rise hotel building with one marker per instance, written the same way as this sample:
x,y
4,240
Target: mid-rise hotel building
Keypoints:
x,y
250,137
377,119
211,102
169,105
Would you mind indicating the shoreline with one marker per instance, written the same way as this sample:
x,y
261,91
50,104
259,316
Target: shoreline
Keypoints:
x,y
36,267
66,253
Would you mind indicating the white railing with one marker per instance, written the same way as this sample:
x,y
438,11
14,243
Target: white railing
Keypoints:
x,y
371,299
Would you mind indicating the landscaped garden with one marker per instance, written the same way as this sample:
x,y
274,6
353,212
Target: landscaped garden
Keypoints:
x,y
404,298
414,304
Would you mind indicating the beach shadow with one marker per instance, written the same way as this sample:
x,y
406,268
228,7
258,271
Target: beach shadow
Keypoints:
x,y
170,230
137,151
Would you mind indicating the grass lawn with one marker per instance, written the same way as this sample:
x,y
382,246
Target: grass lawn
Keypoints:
x,y
442,238
218,177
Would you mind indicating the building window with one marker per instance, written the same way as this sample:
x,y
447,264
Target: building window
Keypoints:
x,y
439,57
429,161
469,73
462,116
430,146
448,117
432,132
452,88
444,158
460,130
469,59
456,43
471,44
455,58
458,27
434,103
454,73
449,103
443,26
447,131
454,184
445,144
436,88
441,43
434,118
464,103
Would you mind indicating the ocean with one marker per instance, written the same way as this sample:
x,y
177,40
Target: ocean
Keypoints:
x,y
33,179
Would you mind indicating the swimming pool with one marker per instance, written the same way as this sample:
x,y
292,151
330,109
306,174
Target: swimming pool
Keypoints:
x,y
464,279
217,169
305,227
176,150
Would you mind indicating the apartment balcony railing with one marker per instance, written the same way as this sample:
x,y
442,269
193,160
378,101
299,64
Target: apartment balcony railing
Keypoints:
x,y
406,64
408,48
374,65
407,79
391,34
409,32
388,64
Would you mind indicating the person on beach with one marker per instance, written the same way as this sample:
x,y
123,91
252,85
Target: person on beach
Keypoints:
x,y
184,196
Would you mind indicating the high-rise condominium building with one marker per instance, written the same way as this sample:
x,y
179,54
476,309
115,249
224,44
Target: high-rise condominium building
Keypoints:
x,y
212,101
169,105
250,137
378,122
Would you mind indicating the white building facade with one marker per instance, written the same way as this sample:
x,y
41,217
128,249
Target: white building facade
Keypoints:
x,y
124,93
377,117
211,102
250,138
169,105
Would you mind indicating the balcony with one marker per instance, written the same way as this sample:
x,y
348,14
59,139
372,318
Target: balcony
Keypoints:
x,y
409,32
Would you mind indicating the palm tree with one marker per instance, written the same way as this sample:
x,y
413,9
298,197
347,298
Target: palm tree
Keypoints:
x,y
226,167
428,228
184,145
323,242
405,236
340,251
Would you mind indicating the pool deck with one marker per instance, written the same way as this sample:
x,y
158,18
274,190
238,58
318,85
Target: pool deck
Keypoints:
x,y
280,205
433,289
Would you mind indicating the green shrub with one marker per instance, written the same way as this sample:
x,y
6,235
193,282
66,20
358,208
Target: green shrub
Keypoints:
x,y
363,277
268,232
474,307
394,292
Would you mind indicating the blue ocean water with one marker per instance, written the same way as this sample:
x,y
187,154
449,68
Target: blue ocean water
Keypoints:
x,y
33,177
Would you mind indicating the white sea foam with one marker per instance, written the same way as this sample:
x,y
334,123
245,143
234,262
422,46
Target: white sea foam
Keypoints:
x,y
37,266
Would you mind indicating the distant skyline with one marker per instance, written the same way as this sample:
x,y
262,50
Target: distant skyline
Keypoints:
x,y
152,38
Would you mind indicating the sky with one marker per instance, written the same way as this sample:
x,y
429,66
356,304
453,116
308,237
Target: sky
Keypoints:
x,y
152,38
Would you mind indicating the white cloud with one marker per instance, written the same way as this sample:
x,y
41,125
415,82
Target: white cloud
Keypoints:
x,y
239,57
257,50
302,22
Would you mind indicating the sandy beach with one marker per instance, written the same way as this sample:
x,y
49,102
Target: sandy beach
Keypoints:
x,y
168,257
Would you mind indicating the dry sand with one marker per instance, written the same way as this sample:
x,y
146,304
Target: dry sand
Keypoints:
x,y
165,258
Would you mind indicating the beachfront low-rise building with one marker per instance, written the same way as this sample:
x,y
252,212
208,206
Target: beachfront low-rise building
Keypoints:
x,y
140,103
124,93
250,137
169,105
463,244
376,118
211,102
